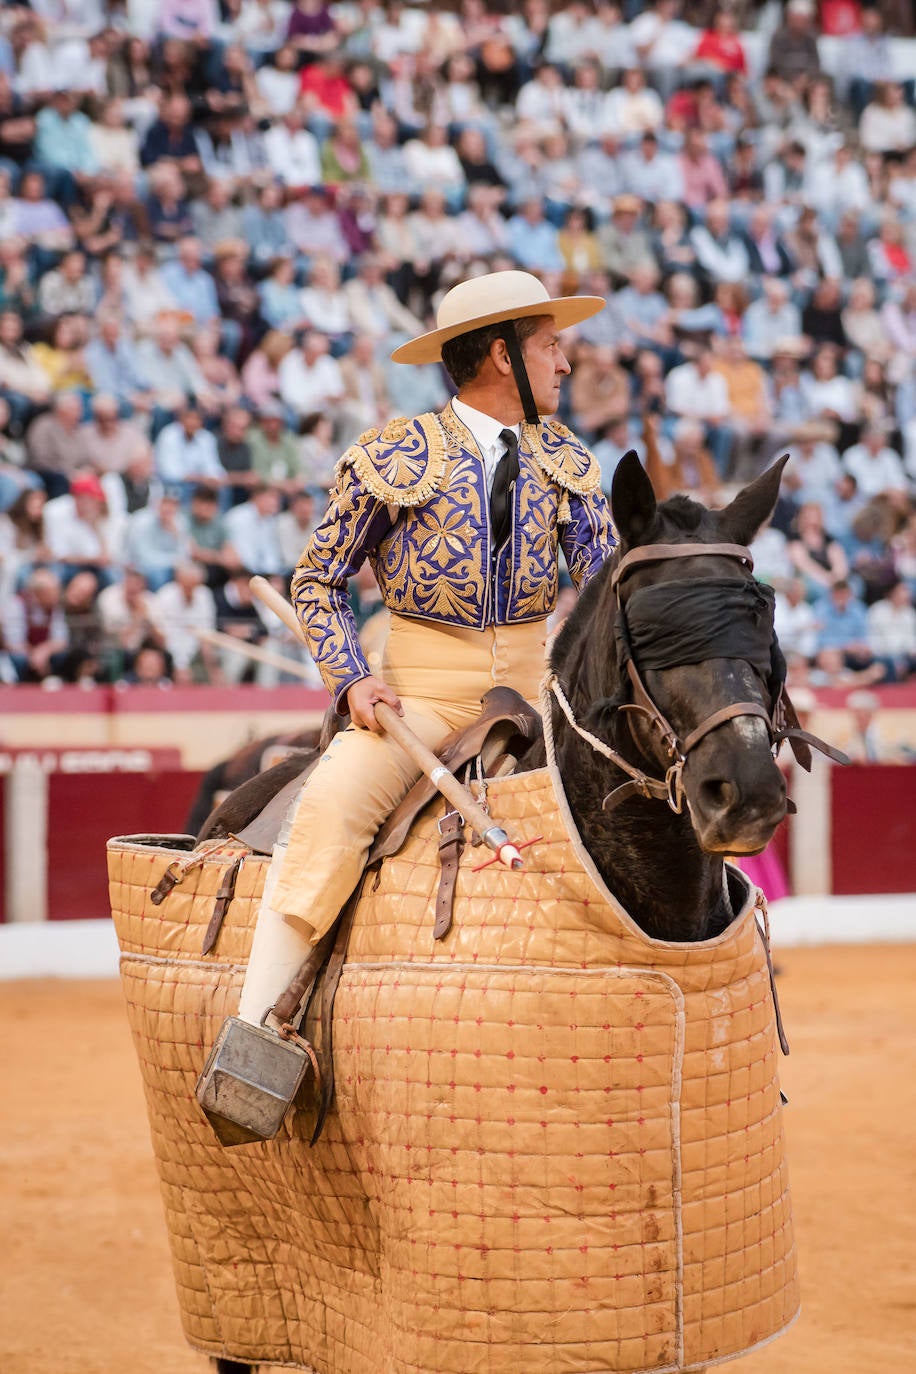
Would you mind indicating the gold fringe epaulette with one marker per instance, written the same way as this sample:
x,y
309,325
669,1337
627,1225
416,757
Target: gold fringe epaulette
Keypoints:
x,y
403,464
563,457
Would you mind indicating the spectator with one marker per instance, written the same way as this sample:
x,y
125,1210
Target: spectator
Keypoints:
x,y
186,454
145,295
633,107
151,667
274,451
795,624
769,319
701,173
79,529
891,632
66,289
171,138
822,317
192,288
261,372
216,217
169,366
324,304
721,254
843,653
167,210
207,534
313,227
277,80
533,240
23,381
826,393
182,607
750,417
372,305
310,380
814,554
625,246
114,366
125,611
157,540
295,527
63,144
874,464
235,451
251,531
367,404
650,174
39,218
888,124
237,615
793,54
292,151
34,628
112,443
55,445
695,391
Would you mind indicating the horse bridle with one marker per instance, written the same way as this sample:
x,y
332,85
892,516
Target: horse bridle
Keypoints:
x,y
781,720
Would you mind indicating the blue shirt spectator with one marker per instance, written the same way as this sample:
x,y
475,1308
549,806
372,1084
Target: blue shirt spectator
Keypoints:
x,y
533,239
62,139
193,288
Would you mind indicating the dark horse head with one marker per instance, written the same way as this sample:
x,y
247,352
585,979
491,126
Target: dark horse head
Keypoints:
x,y
671,662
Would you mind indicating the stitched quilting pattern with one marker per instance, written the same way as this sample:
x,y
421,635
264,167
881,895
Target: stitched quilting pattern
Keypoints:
x,y
551,1134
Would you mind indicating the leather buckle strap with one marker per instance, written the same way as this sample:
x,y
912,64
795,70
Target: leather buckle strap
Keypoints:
x,y
221,905
451,847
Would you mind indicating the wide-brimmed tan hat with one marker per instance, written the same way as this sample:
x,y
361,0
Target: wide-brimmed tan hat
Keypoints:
x,y
490,299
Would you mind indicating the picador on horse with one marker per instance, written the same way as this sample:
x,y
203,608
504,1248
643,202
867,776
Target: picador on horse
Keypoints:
x,y
544,1128
462,516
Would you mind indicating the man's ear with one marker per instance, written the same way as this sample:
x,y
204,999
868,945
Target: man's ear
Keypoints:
x,y
499,356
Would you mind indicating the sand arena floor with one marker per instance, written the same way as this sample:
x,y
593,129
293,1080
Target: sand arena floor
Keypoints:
x,y
84,1269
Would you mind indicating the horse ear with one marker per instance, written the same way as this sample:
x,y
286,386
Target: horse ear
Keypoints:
x,y
633,503
753,505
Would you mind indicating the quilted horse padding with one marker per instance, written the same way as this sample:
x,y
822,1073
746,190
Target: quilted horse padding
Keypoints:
x,y
556,1144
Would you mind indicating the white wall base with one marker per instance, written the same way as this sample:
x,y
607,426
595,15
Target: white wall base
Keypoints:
x,y
58,949
88,949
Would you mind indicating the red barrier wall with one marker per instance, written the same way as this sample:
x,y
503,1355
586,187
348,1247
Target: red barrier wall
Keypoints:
x,y
84,811
873,836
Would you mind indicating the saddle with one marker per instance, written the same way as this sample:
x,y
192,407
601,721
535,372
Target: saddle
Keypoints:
x,y
505,728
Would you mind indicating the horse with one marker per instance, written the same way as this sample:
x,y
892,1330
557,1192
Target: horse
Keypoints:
x,y
662,708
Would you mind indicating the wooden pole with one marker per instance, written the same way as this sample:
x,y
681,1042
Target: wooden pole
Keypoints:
x,y
494,837
242,646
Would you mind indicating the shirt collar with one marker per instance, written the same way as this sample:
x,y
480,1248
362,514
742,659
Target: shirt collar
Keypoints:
x,y
484,428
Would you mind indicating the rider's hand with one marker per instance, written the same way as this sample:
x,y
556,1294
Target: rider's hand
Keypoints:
x,y
361,699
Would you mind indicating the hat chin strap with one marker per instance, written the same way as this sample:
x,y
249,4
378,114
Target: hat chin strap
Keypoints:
x,y
519,371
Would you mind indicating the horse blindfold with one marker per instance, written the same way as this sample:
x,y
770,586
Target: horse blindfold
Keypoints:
x,y
672,624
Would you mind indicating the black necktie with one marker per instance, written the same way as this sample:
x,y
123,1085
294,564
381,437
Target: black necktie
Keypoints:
x,y
501,495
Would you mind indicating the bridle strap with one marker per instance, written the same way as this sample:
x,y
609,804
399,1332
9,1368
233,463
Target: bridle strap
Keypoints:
x,y
737,708
781,721
660,553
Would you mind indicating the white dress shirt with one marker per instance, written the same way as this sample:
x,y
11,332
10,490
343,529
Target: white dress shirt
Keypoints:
x,y
485,432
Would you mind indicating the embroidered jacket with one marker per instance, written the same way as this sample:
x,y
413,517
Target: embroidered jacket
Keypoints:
x,y
413,499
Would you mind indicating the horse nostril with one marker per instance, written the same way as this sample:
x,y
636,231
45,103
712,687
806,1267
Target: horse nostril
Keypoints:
x,y
718,794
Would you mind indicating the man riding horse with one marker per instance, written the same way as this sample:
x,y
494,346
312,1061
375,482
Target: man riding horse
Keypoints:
x,y
462,515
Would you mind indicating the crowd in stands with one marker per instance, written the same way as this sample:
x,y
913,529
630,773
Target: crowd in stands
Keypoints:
x,y
218,217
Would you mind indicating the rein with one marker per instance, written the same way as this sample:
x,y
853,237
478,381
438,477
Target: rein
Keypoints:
x,y
781,721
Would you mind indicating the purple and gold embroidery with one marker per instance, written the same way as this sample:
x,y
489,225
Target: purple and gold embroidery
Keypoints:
x,y
413,501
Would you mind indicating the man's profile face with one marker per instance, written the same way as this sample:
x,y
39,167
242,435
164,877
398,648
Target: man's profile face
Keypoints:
x,y
546,365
